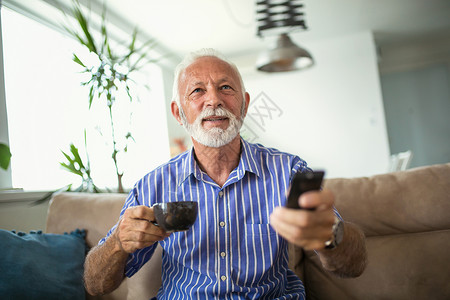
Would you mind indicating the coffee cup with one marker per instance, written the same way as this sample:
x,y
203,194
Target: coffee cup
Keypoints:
x,y
175,216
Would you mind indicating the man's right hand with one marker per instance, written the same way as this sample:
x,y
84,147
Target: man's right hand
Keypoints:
x,y
136,230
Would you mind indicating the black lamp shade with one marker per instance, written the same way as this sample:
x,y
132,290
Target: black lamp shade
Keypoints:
x,y
286,56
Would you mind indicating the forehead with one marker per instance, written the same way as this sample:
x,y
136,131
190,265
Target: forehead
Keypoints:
x,y
205,68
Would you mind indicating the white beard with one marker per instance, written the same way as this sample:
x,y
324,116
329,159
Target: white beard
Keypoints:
x,y
214,137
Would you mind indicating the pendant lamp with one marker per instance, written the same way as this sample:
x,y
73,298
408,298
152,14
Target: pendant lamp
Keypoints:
x,y
281,16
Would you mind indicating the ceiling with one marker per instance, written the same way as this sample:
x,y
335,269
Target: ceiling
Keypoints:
x,y
181,26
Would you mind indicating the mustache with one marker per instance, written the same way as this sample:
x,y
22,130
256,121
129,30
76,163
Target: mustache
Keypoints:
x,y
219,112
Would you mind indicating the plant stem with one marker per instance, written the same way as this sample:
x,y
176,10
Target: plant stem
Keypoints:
x,y
114,155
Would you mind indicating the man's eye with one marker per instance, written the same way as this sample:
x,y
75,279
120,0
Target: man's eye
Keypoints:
x,y
197,90
226,87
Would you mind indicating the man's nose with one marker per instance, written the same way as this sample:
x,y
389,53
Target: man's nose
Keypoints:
x,y
213,98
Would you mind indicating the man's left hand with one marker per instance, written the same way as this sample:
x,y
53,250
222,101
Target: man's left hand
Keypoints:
x,y
308,228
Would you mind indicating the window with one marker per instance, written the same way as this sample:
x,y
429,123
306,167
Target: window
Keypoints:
x,y
48,110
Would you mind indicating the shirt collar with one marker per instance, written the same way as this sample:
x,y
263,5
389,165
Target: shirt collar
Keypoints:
x,y
249,162
188,166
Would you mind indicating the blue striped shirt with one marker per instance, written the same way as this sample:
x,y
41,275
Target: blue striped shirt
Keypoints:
x,y
231,251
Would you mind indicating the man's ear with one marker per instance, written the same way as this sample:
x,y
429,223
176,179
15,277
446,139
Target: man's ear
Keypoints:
x,y
247,102
176,111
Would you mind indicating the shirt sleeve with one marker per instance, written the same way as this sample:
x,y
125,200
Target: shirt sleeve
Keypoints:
x,y
299,165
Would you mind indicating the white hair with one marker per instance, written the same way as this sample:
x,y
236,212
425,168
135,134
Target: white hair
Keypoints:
x,y
190,59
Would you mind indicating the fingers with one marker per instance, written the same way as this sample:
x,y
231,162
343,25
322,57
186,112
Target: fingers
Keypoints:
x,y
136,231
306,228
140,212
320,200
305,218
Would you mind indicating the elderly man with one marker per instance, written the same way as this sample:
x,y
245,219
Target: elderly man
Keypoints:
x,y
238,246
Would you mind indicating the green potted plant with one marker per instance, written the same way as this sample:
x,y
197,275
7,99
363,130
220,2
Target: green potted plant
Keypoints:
x,y
5,156
110,74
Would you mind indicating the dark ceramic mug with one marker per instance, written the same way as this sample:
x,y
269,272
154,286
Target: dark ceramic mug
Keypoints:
x,y
175,216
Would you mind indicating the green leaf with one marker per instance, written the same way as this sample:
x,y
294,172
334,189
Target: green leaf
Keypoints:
x,y
76,156
68,157
109,51
127,88
133,40
129,136
77,60
96,189
103,29
91,96
71,168
84,24
77,36
136,66
5,156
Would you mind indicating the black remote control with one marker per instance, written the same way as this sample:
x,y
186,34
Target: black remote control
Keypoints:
x,y
301,183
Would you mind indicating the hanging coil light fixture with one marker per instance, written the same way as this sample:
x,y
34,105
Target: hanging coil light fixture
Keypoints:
x,y
279,17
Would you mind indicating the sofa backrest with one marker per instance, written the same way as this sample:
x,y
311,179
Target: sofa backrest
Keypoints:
x,y
406,219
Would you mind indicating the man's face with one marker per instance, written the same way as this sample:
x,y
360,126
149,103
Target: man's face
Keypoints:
x,y
212,102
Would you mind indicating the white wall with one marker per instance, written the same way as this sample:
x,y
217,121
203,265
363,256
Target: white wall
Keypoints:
x,y
330,115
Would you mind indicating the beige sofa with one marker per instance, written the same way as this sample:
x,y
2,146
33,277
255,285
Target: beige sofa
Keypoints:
x,y
405,216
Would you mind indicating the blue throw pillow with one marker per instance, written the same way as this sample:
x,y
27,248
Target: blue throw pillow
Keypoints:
x,y
42,266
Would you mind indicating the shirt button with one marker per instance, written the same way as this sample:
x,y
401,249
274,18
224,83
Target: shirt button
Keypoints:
x,y
222,224
223,254
220,193
223,277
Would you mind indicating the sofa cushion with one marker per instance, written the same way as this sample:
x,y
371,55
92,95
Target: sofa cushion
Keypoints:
x,y
402,267
96,213
42,266
416,200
